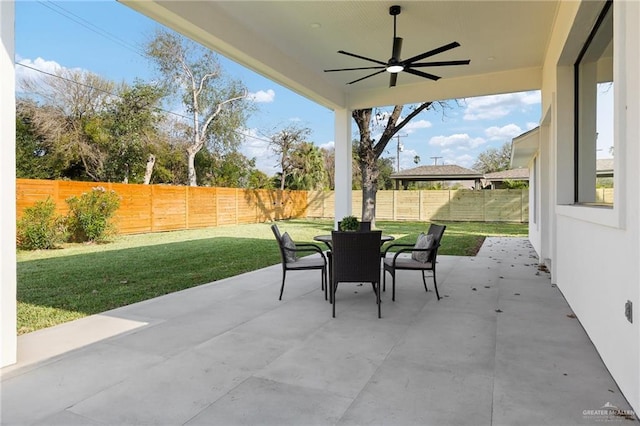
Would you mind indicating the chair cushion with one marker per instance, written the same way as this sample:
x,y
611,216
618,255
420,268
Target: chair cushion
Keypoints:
x,y
424,241
308,262
407,263
287,242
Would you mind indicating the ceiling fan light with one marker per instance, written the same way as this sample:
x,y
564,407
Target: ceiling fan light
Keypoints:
x,y
395,68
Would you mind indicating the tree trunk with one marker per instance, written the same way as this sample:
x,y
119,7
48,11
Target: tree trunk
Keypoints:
x,y
369,188
283,176
151,161
369,152
191,164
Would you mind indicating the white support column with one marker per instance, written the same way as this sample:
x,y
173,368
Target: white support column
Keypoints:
x,y
343,163
8,336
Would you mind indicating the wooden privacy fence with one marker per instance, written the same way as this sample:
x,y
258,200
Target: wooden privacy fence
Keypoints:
x,y
496,205
151,208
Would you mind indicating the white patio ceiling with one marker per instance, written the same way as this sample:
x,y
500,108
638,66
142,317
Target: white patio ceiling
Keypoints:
x,y
292,42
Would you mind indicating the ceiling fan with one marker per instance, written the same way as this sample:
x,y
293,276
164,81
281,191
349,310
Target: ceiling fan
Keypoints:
x,y
395,65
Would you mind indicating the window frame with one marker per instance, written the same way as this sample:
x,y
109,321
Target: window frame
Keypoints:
x,y
604,13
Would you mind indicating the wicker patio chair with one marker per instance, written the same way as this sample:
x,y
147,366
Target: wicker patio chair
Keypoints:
x,y
291,262
423,259
355,258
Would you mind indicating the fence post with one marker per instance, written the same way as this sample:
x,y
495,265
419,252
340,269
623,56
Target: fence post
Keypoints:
x,y
186,207
484,206
151,218
236,200
394,202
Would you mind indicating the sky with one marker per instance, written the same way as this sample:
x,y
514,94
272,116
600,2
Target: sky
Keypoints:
x,y
106,38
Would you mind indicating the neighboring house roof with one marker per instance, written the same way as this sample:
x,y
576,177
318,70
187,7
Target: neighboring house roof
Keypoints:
x,y
513,174
444,172
604,167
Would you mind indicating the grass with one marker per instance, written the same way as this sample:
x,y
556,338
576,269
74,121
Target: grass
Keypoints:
x,y
56,286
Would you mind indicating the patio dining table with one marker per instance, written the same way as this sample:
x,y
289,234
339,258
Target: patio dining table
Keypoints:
x,y
326,239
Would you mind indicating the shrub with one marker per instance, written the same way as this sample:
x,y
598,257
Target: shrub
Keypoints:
x,y
349,223
90,215
40,227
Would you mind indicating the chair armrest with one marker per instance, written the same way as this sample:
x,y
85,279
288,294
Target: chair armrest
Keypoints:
x,y
408,248
396,245
306,247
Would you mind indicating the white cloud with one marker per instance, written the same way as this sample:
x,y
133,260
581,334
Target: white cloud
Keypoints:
x,y
532,125
418,124
329,145
263,97
464,160
496,106
255,146
460,141
26,71
407,160
507,132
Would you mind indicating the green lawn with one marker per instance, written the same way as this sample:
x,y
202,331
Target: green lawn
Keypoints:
x,y
55,286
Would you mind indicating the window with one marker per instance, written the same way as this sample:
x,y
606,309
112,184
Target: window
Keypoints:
x,y
594,144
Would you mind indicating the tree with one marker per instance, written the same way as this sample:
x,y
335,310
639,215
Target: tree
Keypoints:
x,y
232,169
132,126
329,158
385,167
494,160
217,105
308,172
284,143
369,151
33,158
65,111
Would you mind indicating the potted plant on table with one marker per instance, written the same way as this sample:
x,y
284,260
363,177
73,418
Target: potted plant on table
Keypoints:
x,y
349,223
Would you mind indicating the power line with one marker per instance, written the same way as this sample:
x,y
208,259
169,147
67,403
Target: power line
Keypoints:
x,y
88,86
120,97
57,8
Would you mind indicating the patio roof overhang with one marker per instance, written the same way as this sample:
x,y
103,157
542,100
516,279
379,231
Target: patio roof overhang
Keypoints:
x,y
524,147
292,43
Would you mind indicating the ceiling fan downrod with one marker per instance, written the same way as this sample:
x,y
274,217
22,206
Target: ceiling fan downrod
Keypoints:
x,y
393,65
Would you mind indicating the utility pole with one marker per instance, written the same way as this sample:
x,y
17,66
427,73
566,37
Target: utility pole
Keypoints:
x,y
399,149
435,160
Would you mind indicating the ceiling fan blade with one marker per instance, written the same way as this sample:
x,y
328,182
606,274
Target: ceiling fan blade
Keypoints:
x,y
370,75
397,48
362,57
393,78
440,49
355,69
422,74
440,64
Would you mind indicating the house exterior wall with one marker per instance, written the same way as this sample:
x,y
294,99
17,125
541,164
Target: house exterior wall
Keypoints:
x,y
8,338
595,251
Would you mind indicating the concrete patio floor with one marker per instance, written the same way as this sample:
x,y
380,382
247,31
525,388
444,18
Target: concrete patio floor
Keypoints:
x,y
501,348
